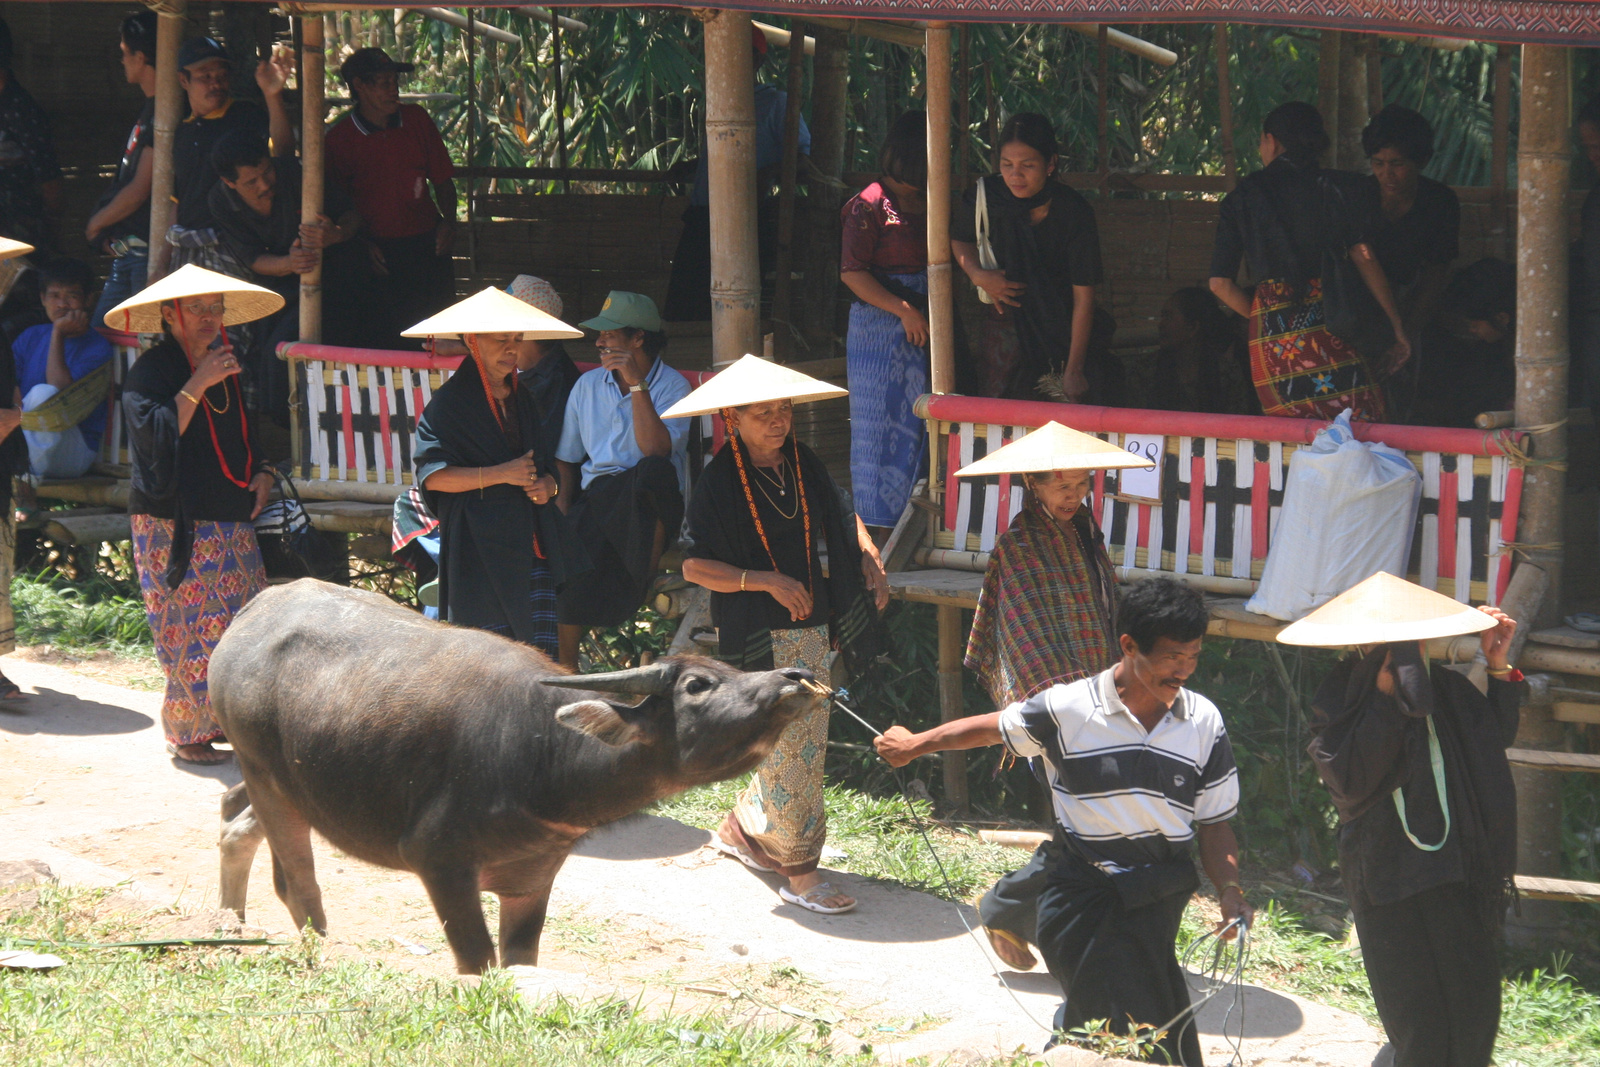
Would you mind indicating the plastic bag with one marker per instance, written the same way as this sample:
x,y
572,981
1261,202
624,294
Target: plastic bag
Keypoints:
x,y
1349,511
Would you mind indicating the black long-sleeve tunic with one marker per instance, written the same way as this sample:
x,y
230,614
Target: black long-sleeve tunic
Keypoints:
x,y
1369,744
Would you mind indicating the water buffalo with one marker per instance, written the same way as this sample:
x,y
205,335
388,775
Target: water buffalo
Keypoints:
x,y
466,758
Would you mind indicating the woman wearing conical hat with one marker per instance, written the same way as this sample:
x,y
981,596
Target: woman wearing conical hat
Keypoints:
x,y
1415,759
13,460
1046,615
763,508
199,478
483,464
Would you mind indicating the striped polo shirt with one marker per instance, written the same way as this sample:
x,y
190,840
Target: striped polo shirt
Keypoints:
x,y
1125,797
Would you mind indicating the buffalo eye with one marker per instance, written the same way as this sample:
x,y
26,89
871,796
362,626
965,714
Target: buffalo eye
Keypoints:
x,y
697,684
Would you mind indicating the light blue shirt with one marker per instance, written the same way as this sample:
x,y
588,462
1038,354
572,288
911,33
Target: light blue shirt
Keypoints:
x,y
598,431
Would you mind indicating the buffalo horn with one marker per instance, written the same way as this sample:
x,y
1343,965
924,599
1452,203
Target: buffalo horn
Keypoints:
x,y
650,681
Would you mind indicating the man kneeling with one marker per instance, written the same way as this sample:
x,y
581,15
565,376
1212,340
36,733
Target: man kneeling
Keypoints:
x,y
1138,767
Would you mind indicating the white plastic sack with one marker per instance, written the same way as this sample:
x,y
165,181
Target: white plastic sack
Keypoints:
x,y
1349,508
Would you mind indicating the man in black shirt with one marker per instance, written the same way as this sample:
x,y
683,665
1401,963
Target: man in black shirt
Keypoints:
x,y
120,224
203,69
255,207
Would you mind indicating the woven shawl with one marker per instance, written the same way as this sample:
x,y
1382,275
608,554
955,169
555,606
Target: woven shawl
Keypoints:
x,y
1045,614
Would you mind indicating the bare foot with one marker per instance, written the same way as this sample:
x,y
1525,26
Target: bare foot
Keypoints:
x,y
201,753
801,884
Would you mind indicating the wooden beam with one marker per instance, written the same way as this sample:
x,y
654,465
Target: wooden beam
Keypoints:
x,y
312,166
1102,144
1328,87
1163,57
1230,158
731,152
780,38
169,111
1352,103
1555,761
472,26
830,86
1500,155
783,327
941,283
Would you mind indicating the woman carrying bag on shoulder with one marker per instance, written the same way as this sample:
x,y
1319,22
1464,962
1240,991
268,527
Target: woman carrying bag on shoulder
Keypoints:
x,y
1041,282
199,480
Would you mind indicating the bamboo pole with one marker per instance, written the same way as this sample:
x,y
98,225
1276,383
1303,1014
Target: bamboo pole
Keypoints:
x,y
731,156
783,260
1543,178
1230,157
1500,155
312,163
1328,86
963,106
951,704
169,110
1374,78
1162,57
561,100
941,289
472,140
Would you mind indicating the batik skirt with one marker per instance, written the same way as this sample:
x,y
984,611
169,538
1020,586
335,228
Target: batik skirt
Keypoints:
x,y
888,443
779,818
1300,369
187,622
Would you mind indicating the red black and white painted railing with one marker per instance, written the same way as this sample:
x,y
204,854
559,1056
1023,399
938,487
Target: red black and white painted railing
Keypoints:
x,y
1220,488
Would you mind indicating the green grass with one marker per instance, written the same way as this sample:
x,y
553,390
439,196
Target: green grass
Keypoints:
x,y
286,1006
88,615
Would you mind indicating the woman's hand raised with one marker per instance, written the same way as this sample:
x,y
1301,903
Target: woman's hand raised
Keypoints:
x,y
785,590
219,363
521,472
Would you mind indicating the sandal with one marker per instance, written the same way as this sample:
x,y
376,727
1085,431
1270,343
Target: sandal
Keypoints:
x,y
739,854
1012,950
812,899
10,690
176,752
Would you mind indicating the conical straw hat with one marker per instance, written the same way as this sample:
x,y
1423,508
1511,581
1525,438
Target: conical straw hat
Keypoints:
x,y
1383,609
493,311
141,312
10,248
752,380
1053,447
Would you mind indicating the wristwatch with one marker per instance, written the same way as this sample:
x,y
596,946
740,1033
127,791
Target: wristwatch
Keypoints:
x,y
637,387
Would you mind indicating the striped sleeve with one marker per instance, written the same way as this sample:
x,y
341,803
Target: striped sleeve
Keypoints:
x,y
1218,797
1025,725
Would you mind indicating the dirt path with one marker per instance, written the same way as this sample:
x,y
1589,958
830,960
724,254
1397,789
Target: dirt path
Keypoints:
x,y
641,908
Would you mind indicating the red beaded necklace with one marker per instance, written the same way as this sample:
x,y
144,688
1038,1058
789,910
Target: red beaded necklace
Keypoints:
x,y
750,500
244,427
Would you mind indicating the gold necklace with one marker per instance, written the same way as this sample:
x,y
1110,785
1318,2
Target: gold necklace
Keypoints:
x,y
761,483
781,479
227,398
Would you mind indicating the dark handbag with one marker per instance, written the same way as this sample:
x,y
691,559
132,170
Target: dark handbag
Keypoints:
x,y
290,546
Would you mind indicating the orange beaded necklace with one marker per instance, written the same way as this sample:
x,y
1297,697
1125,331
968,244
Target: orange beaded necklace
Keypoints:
x,y
755,514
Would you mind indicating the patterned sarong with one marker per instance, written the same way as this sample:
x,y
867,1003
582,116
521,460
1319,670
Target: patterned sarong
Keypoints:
x,y
1043,614
1301,370
187,622
779,818
887,440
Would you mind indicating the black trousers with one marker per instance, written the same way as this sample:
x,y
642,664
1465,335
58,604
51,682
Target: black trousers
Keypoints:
x,y
420,282
1113,962
610,532
1434,966
1012,903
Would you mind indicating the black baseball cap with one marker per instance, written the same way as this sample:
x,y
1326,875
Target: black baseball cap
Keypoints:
x,y
365,62
199,49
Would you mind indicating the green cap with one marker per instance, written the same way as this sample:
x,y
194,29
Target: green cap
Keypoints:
x,y
623,311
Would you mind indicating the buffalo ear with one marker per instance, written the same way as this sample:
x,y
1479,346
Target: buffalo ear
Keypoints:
x,y
613,724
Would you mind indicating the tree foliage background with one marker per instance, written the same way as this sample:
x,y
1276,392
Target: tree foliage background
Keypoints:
x,y
633,93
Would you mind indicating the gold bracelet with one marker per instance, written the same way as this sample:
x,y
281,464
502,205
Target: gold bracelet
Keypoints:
x,y
1227,886
742,576
1501,672
185,394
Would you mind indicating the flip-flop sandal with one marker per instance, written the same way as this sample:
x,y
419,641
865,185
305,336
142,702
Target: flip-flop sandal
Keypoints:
x,y
1012,950
222,757
10,690
812,899
1586,621
739,854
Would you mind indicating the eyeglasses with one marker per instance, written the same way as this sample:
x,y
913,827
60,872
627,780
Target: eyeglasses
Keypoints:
x,y
205,311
